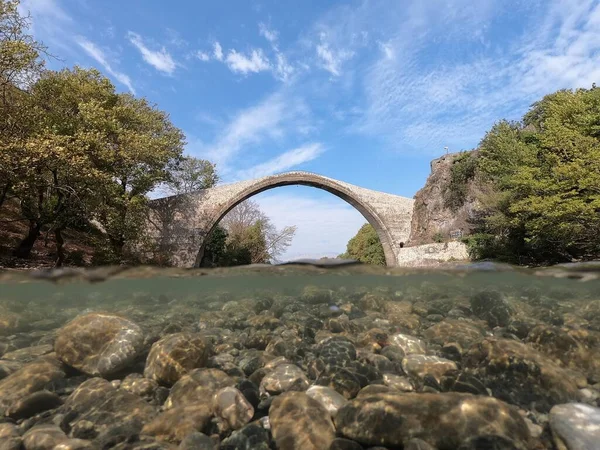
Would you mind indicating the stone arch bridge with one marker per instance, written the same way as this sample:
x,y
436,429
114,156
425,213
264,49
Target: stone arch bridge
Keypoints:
x,y
181,223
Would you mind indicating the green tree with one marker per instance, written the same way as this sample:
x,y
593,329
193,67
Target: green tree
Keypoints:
x,y
544,172
365,247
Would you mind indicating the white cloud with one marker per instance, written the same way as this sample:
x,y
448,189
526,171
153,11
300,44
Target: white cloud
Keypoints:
x,y
218,51
283,162
332,59
273,119
269,35
323,224
161,60
49,22
96,53
283,70
203,56
255,62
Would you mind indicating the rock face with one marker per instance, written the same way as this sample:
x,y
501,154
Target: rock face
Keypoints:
x,y
444,421
28,380
174,355
576,425
431,214
99,344
299,422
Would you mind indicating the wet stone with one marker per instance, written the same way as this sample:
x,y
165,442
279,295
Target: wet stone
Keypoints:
x,y
99,344
285,377
344,444
410,345
397,382
74,444
33,404
28,354
252,436
198,386
418,444
462,332
576,425
419,366
140,386
394,353
176,423
230,405
337,351
32,377
329,398
8,367
491,307
298,422
43,437
175,355
442,420
197,441
10,439
341,380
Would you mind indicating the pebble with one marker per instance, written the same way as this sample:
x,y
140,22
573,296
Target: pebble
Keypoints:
x,y
410,345
419,366
576,426
398,382
285,377
43,437
231,406
328,397
298,422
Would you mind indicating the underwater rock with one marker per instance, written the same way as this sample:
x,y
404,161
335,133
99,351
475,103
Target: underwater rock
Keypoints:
x,y
410,345
419,366
98,402
28,354
74,444
397,382
491,307
197,441
463,332
198,386
285,377
33,404
299,422
519,374
337,351
175,355
252,436
443,420
9,322
99,344
32,377
231,406
576,426
140,386
10,439
176,423
43,437
328,397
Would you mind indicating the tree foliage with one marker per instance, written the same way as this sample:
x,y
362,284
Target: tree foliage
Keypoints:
x,y
462,172
543,205
365,246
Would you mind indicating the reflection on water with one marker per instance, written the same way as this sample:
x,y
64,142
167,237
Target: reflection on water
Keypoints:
x,y
299,356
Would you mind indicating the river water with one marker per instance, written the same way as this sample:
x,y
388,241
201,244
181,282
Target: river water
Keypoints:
x,y
301,356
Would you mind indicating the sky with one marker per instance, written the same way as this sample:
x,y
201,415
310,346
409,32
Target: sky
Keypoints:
x,y
367,92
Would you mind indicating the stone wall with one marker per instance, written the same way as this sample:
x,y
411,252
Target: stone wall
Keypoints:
x,y
432,254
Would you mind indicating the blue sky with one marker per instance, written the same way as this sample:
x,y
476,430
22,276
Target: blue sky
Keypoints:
x,y
367,92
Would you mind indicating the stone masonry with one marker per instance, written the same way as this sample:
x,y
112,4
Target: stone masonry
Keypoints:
x,y
180,224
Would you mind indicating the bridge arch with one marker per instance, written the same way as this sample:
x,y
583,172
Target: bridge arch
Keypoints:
x,y
341,190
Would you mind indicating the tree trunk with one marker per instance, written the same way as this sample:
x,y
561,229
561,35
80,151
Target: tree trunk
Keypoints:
x,y
24,248
60,248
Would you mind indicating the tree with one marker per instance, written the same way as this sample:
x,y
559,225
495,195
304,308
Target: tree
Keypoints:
x,y
20,66
190,175
365,247
248,227
544,205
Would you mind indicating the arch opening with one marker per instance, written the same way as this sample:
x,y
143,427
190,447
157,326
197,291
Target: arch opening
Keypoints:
x,y
315,181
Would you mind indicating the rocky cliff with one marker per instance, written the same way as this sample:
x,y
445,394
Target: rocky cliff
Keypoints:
x,y
443,207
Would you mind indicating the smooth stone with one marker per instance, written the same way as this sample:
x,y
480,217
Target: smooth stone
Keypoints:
x,y
43,437
345,444
577,425
28,354
74,444
32,377
138,385
9,367
252,437
329,398
198,386
10,439
197,441
231,406
444,420
97,401
99,344
397,382
463,332
410,345
421,365
175,355
299,422
285,377
491,307
33,404
176,423
419,444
